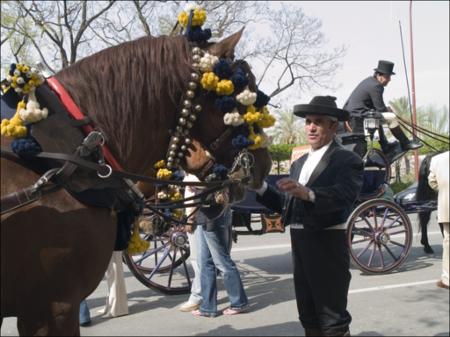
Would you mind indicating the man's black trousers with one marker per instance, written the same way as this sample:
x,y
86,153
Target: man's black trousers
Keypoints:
x,y
322,277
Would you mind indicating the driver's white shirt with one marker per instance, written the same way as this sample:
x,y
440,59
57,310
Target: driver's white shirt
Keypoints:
x,y
314,157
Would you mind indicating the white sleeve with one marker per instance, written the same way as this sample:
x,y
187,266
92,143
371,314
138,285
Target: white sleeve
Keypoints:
x,y
262,189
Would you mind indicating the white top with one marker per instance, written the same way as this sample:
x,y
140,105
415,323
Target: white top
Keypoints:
x,y
438,179
314,157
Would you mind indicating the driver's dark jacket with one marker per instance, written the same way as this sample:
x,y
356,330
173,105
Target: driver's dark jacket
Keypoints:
x,y
368,95
336,182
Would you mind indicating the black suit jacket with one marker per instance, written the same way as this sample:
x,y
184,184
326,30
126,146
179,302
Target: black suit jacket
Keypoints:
x,y
368,95
336,182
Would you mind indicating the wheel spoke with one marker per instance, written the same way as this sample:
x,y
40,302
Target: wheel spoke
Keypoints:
x,y
172,267
397,232
374,213
390,252
381,255
365,249
147,254
397,243
394,221
166,253
371,255
384,217
367,222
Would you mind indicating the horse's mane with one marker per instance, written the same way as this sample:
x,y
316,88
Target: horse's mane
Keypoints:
x,y
124,87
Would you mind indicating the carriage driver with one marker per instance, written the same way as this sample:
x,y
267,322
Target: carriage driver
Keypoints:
x,y
368,95
315,201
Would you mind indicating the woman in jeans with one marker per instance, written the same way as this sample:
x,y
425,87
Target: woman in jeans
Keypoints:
x,y
213,242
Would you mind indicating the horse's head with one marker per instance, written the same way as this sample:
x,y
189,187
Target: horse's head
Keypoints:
x,y
212,138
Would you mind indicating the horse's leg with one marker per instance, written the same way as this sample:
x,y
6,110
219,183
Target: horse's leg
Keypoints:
x,y
54,253
53,319
424,219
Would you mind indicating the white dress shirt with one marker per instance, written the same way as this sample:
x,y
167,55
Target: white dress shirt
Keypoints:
x,y
314,157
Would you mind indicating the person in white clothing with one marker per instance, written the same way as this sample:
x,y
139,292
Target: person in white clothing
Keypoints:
x,y
116,301
195,298
438,179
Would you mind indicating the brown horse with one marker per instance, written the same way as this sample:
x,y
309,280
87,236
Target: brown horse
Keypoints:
x,y
54,252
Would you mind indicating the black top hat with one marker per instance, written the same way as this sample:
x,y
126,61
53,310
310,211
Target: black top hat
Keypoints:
x,y
385,67
322,105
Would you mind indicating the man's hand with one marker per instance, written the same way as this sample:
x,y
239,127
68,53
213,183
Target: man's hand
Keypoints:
x,y
293,188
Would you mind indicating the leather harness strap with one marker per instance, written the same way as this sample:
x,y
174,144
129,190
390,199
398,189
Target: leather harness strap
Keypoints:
x,y
76,113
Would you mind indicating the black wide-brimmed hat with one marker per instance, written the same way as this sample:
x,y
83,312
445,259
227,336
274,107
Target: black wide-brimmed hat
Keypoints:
x,y
385,67
322,105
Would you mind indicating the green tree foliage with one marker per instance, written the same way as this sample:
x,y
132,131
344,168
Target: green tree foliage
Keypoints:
x,y
288,128
280,152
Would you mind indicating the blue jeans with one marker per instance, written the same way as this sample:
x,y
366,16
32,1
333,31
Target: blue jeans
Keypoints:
x,y
85,316
213,252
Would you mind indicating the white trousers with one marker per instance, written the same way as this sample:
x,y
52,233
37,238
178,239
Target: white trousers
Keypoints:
x,y
390,119
117,301
445,253
195,296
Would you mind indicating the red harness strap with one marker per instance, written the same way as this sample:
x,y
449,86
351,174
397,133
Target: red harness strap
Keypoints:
x,y
78,115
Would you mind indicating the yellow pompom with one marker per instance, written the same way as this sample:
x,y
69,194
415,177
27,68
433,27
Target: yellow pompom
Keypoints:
x,y
266,121
183,18
252,117
257,140
176,196
209,81
164,174
224,87
199,17
159,164
14,127
137,245
177,213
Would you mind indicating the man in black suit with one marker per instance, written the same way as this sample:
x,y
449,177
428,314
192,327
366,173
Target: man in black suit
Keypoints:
x,y
315,201
368,95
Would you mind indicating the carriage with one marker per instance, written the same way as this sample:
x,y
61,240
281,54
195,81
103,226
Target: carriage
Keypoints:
x,y
379,229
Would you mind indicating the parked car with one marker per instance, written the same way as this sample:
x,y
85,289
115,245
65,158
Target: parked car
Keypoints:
x,y
407,195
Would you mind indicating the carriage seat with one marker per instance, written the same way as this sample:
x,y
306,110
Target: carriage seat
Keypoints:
x,y
376,175
351,138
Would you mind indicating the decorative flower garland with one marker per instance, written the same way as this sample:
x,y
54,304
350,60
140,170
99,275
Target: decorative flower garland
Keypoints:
x,y
23,80
215,75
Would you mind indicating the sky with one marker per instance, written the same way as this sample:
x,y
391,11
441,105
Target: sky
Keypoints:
x,y
370,30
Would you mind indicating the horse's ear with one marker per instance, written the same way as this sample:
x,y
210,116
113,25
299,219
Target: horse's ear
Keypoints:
x,y
225,48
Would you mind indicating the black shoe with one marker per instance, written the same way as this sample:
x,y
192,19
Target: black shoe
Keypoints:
x,y
87,323
412,145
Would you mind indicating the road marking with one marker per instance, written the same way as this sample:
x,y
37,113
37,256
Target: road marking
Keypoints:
x,y
246,249
392,286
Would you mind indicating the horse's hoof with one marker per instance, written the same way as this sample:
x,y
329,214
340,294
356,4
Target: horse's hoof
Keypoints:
x,y
428,250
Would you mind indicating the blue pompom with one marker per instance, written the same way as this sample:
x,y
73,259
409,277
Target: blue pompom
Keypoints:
x,y
241,142
220,171
225,104
12,67
240,81
197,34
222,69
178,175
261,99
26,147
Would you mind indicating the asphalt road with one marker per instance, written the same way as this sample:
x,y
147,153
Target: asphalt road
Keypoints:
x,y
405,302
